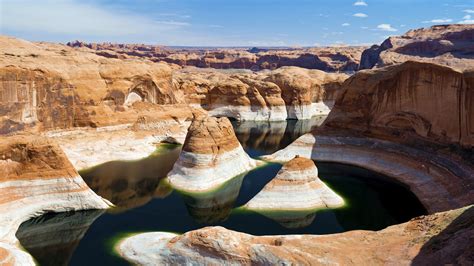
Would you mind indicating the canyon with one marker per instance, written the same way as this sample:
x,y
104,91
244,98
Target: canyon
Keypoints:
x,y
407,113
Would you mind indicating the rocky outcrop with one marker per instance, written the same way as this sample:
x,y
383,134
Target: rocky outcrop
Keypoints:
x,y
286,93
294,196
211,156
449,45
36,177
51,86
332,59
410,101
409,122
441,238
296,187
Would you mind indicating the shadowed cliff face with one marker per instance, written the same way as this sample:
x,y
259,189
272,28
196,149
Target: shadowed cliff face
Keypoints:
x,y
52,239
409,101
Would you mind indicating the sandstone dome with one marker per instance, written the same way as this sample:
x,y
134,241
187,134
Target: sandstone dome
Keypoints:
x,y
211,156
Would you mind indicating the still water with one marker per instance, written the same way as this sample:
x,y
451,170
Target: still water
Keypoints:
x,y
146,203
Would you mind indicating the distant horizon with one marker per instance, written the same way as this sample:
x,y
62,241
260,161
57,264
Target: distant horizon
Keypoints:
x,y
237,23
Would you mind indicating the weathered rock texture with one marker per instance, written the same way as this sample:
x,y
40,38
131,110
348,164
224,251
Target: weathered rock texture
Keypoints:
x,y
285,93
409,101
296,187
36,177
441,238
211,155
50,86
450,45
325,58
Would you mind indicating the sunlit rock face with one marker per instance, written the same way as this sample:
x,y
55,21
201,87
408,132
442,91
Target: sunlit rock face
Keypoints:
x,y
36,177
53,240
441,238
285,93
409,101
449,45
332,59
211,155
49,86
296,187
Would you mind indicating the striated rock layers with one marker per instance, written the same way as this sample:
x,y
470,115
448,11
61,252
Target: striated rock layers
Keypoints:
x,y
296,187
50,86
211,156
409,101
330,59
411,122
285,93
441,238
36,177
449,45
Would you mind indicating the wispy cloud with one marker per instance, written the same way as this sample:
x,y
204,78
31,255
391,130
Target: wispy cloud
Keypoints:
x,y
345,24
386,27
467,17
360,15
439,20
215,26
469,11
75,18
466,21
360,3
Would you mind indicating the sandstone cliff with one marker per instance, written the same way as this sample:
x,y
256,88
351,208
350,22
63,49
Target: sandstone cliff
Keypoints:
x,y
285,93
35,178
449,45
52,86
409,101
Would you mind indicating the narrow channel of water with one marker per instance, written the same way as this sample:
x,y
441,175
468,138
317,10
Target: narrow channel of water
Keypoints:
x,y
146,203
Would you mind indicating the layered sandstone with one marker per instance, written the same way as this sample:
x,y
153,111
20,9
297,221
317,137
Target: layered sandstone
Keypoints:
x,y
36,177
211,156
51,86
409,122
410,101
332,59
441,238
285,93
449,45
296,187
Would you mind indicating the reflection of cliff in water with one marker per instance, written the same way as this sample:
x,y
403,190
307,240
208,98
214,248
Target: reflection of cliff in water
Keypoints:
x,y
216,206
291,220
52,239
130,184
263,137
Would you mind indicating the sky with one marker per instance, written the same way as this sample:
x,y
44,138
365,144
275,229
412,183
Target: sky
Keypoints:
x,y
226,22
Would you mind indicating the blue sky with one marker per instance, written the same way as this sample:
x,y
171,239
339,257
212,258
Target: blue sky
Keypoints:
x,y
226,22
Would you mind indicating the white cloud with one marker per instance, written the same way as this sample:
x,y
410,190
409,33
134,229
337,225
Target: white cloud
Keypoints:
x,y
467,17
345,24
386,27
364,27
68,17
467,21
360,3
469,11
439,20
360,15
215,26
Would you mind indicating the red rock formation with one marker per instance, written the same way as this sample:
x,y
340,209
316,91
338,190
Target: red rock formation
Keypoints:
x,y
450,45
327,58
409,101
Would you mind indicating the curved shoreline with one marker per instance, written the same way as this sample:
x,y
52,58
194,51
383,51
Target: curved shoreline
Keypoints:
x,y
440,182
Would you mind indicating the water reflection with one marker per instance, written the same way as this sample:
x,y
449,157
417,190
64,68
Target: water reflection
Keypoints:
x,y
52,239
291,220
130,184
263,137
216,206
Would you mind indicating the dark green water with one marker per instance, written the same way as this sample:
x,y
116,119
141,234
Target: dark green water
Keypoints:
x,y
145,203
